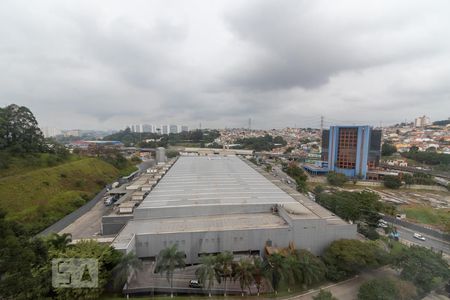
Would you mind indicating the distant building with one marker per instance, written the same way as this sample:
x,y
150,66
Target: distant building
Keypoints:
x,y
50,132
161,155
422,121
184,128
147,128
173,128
73,132
351,150
164,129
135,128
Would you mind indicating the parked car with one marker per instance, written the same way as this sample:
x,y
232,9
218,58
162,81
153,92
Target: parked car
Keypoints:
x,y
419,236
194,283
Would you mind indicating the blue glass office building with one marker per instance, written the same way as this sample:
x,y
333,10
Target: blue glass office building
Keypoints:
x,y
351,150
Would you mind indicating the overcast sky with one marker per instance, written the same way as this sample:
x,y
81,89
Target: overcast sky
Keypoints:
x,y
105,64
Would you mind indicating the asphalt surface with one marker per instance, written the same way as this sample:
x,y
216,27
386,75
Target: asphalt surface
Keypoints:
x,y
430,242
89,224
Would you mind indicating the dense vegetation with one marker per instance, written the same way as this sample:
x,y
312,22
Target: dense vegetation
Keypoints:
x,y
153,140
262,143
336,179
40,181
387,149
392,182
296,173
363,208
25,267
440,160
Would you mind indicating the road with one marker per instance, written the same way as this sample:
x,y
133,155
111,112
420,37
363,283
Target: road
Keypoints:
x,y
430,242
89,224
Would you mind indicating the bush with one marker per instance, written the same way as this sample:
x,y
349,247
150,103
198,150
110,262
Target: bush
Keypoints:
x,y
392,182
324,295
345,258
378,289
336,179
388,149
318,189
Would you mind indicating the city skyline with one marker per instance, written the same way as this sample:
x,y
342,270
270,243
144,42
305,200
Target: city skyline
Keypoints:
x,y
80,65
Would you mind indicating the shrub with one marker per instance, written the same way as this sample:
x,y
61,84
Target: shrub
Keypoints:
x,y
336,179
392,182
378,289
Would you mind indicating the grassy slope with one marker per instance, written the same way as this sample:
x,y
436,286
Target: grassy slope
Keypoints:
x,y
40,197
428,215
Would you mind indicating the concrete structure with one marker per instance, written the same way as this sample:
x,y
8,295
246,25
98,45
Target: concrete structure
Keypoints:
x,y
184,128
164,129
173,128
161,155
351,150
211,204
422,121
219,151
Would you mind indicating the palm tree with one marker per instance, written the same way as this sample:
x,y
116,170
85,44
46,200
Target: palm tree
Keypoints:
x,y
257,272
168,260
59,241
275,268
126,267
244,273
224,266
206,273
311,268
292,270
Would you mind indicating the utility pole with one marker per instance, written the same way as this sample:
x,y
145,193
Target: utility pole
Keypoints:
x,y
321,136
321,126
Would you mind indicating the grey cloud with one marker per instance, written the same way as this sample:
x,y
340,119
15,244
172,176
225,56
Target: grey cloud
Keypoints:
x,y
303,43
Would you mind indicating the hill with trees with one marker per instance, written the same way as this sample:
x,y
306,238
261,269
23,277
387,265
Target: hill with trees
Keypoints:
x,y
40,181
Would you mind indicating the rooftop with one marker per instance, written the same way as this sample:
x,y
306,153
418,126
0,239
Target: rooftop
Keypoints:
x,y
217,180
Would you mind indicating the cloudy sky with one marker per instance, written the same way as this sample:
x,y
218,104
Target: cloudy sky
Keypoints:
x,y
105,64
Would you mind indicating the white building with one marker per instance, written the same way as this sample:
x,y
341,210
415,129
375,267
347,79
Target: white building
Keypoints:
x,y
50,131
422,121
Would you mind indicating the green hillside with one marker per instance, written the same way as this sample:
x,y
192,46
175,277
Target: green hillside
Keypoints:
x,y
38,198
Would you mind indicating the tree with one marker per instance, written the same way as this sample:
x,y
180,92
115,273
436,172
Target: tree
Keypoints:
x,y
336,179
344,258
24,271
387,149
392,182
275,267
258,272
423,267
127,265
168,260
19,130
311,269
206,273
58,242
324,295
318,189
243,272
107,258
378,289
224,267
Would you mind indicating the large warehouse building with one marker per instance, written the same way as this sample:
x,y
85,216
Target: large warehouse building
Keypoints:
x,y
211,204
